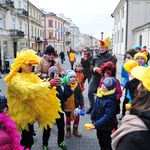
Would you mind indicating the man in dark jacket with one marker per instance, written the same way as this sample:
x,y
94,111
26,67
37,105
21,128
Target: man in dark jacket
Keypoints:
x,y
85,62
96,63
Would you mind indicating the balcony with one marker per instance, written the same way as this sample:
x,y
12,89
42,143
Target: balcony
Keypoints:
x,y
16,33
68,33
22,12
68,42
7,4
39,40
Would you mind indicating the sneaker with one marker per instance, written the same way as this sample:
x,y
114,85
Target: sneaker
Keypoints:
x,y
63,145
89,110
45,148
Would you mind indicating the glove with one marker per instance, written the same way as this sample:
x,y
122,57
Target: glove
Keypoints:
x,y
55,81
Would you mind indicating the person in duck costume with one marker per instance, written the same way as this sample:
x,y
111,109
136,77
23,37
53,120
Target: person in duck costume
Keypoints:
x,y
30,99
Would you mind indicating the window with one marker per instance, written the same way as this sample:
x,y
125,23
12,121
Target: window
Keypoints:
x,y
122,34
19,4
50,35
50,23
140,42
38,33
118,17
2,21
33,14
35,31
13,23
32,31
122,13
5,48
25,30
56,24
30,12
20,25
118,36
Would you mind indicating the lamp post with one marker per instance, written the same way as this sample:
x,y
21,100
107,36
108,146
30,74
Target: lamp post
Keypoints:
x,y
102,35
54,42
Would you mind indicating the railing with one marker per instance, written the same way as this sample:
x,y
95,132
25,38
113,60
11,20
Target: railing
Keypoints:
x,y
7,3
15,32
22,12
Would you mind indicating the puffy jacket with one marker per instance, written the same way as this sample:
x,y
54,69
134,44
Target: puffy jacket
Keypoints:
x,y
104,112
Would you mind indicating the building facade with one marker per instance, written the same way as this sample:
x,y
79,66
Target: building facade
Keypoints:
x,y
13,28
131,25
35,28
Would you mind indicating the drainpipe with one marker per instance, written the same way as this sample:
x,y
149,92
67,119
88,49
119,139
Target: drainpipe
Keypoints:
x,y
126,37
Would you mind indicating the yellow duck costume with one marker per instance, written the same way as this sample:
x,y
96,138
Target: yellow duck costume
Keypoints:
x,y
29,98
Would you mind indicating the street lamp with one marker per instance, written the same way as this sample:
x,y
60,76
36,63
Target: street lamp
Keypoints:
x,y
102,35
54,42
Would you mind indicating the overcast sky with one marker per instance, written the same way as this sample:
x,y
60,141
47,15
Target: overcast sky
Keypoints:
x,y
91,16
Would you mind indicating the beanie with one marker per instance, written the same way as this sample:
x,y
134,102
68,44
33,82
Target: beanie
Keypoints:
x,y
3,103
71,73
49,49
140,55
136,47
110,83
52,70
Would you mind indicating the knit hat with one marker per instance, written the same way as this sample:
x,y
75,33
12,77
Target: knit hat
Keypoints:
x,y
140,55
105,42
71,73
52,70
110,83
49,50
3,103
143,74
136,47
129,65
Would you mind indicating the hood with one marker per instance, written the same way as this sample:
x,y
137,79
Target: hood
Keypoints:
x,y
130,123
145,117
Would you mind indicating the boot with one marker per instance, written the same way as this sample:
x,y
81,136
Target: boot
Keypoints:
x,y
68,135
75,132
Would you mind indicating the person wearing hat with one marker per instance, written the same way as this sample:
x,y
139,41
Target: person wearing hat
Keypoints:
x,y
9,136
63,94
104,112
30,99
96,63
46,62
76,100
137,48
146,53
141,58
134,131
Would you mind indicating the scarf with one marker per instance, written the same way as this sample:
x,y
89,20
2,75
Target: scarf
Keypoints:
x,y
130,123
101,93
70,101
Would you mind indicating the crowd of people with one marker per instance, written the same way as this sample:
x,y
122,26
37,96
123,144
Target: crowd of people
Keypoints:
x,y
41,90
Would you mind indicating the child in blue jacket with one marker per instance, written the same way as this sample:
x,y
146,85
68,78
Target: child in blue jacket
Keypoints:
x,y
104,113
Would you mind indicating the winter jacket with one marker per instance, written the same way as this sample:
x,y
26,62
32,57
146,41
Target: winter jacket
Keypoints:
x,y
64,92
42,68
104,112
72,57
134,133
98,60
86,66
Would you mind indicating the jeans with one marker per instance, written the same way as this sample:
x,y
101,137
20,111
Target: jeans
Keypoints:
x,y
93,85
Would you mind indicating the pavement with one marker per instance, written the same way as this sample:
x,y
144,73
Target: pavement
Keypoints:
x,y
88,140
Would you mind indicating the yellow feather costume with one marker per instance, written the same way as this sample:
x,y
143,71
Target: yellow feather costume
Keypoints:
x,y
29,98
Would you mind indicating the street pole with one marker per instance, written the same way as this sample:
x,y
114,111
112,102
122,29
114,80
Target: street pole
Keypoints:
x,y
102,35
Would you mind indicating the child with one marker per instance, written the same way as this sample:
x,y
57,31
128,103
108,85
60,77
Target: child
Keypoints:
x,y
80,75
108,69
74,101
9,135
141,58
62,95
104,113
